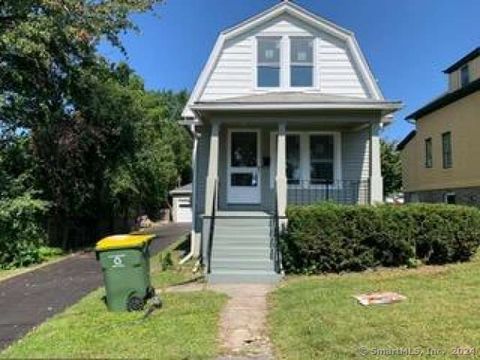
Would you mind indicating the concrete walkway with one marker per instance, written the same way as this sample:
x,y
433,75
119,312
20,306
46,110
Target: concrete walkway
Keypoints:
x,y
28,299
243,319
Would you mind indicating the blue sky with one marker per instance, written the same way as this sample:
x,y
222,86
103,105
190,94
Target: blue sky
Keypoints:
x,y
407,42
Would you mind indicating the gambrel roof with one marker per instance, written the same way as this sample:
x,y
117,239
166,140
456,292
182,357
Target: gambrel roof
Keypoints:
x,y
301,14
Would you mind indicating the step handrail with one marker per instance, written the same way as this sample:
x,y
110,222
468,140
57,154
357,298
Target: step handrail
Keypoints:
x,y
212,229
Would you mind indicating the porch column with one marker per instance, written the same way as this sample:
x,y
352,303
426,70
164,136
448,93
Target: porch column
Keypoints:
x,y
212,175
376,179
281,177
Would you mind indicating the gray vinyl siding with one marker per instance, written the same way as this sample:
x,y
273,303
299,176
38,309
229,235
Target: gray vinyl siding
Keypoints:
x,y
355,155
234,72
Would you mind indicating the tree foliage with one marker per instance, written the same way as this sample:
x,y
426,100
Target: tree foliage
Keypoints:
x,y
391,167
77,132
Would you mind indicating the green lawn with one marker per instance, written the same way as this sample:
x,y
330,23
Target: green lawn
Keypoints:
x,y
317,318
185,328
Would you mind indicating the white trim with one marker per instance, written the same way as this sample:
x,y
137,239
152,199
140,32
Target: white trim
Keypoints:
x,y
297,12
305,156
246,169
388,106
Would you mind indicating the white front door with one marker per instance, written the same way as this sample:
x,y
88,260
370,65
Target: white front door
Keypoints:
x,y
243,173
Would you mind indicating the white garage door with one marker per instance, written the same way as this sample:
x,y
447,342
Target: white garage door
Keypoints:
x,y
184,210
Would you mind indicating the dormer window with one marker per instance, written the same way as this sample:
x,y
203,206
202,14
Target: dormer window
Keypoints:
x,y
301,62
464,76
268,62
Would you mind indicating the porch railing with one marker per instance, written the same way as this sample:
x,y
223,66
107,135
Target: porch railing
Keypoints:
x,y
305,192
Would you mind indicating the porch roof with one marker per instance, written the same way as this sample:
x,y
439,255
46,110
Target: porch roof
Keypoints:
x,y
287,101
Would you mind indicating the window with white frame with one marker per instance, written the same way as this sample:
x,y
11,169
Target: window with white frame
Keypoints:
x,y
321,159
301,62
311,158
268,62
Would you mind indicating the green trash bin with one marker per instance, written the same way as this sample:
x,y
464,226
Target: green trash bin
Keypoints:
x,y
125,261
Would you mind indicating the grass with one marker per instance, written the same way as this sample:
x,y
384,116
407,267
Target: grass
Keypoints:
x,y
317,318
185,328
175,273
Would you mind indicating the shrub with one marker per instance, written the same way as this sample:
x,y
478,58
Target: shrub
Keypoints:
x,y
335,238
166,261
21,236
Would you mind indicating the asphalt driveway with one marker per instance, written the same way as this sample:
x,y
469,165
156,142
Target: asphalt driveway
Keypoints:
x,y
29,299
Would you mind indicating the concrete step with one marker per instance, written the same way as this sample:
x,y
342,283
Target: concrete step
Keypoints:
x,y
243,276
243,222
240,252
264,264
244,231
241,237
254,245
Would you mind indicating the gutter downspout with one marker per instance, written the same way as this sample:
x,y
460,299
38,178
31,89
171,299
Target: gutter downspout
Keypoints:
x,y
194,197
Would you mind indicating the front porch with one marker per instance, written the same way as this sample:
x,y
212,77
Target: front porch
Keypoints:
x,y
250,168
265,166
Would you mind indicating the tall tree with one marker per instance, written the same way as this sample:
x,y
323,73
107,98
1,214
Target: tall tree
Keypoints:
x,y
391,167
55,88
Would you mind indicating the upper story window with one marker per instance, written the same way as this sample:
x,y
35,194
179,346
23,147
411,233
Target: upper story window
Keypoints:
x,y
301,62
447,150
428,153
464,76
268,62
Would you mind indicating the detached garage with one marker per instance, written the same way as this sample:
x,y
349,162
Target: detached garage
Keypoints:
x,y
182,204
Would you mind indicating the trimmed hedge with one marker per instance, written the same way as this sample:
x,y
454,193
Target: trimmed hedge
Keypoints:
x,y
335,238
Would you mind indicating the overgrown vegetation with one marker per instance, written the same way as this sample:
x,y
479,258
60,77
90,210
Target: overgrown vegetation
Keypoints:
x,y
84,146
335,238
391,167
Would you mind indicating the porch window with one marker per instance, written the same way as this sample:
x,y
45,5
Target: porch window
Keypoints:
x,y
301,62
312,158
268,62
321,159
293,159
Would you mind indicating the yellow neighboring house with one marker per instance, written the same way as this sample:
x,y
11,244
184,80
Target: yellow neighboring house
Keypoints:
x,y
441,158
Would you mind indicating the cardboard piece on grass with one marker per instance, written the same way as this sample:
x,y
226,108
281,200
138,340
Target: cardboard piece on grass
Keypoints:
x,y
379,298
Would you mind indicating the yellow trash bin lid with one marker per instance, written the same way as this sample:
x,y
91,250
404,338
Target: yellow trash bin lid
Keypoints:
x,y
123,241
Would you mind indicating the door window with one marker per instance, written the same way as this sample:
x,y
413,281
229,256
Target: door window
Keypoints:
x,y
244,149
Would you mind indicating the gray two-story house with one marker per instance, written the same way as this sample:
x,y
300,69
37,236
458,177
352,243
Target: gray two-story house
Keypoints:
x,y
286,111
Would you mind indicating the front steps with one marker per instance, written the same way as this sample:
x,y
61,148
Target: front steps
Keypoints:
x,y
242,250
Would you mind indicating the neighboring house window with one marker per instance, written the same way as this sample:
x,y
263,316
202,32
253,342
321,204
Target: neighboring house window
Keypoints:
x,y
301,62
447,150
428,153
321,159
464,76
293,159
268,62
450,198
